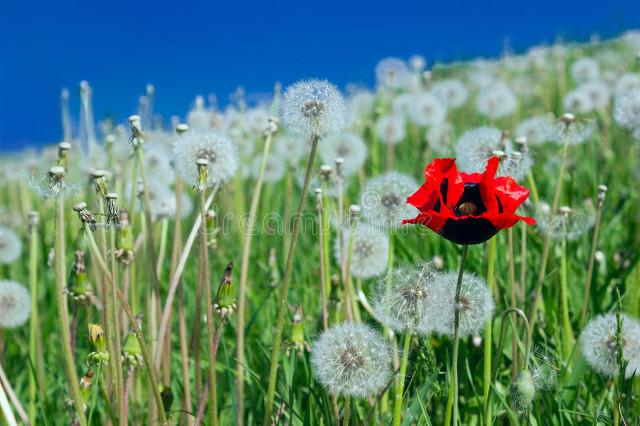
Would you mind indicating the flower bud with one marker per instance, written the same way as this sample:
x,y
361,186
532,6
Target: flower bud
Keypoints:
x,y
523,391
225,303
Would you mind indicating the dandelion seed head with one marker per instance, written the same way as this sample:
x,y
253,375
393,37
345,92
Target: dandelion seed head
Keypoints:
x,y
348,146
15,304
439,138
384,199
352,360
626,83
406,304
370,250
452,92
391,128
598,344
220,151
313,108
566,222
199,118
476,304
572,131
290,148
392,73
10,246
427,109
626,111
274,170
523,391
496,101
537,129
585,69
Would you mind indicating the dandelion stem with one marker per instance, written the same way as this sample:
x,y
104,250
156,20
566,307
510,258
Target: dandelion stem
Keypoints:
x,y
397,406
452,402
324,269
175,280
36,380
547,240
514,303
61,285
244,274
488,335
567,332
146,355
589,278
284,289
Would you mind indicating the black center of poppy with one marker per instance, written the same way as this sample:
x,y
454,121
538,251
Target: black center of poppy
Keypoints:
x,y
469,229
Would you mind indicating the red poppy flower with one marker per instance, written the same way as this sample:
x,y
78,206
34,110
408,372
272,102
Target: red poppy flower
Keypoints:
x,y
467,208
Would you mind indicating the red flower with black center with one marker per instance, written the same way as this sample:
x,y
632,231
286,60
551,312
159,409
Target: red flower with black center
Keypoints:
x,y
467,208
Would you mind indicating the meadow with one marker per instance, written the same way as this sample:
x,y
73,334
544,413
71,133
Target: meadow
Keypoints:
x,y
458,245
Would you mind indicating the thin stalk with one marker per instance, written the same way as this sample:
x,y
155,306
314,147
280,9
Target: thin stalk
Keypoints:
x,y
324,270
5,409
61,302
514,303
384,400
244,274
184,356
36,380
206,392
205,284
164,230
4,382
175,280
488,336
115,328
567,333
592,257
146,354
523,259
347,411
397,406
547,240
284,289
451,416
346,279
127,390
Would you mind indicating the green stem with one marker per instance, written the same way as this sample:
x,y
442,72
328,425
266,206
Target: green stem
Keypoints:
x,y
452,401
592,256
567,332
547,240
397,405
115,329
36,380
61,303
488,335
146,357
244,274
205,284
284,289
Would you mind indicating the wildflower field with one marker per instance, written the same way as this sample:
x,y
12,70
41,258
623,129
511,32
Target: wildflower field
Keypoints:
x,y
458,245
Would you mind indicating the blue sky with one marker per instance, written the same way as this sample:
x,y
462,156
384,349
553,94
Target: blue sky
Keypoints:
x,y
189,48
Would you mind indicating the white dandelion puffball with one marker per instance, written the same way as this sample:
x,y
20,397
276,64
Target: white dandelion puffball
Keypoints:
x,y
475,308
427,109
566,222
452,92
585,69
352,360
290,147
578,102
313,108
626,83
572,133
391,129
199,118
537,130
402,104
369,250
406,302
157,159
496,101
360,105
598,344
626,112
348,146
274,170
598,93
220,151
439,138
476,146
15,304
393,73
384,199
10,245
